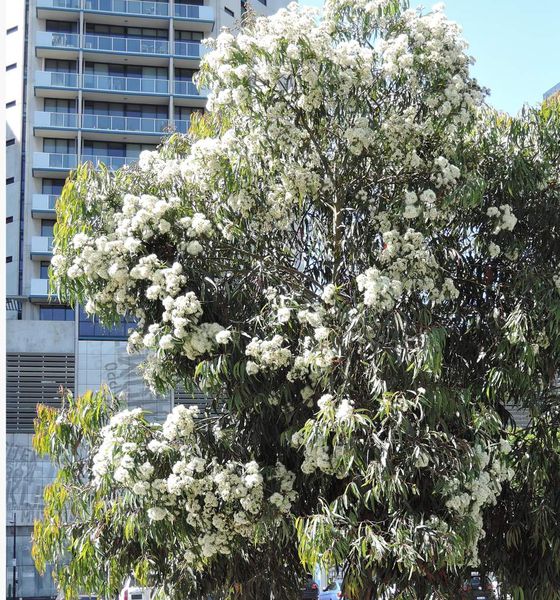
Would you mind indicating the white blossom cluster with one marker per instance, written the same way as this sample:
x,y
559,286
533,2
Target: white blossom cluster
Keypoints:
x,y
503,217
479,488
170,477
407,266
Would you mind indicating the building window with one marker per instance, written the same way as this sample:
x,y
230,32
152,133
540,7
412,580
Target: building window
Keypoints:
x,y
52,187
44,269
57,65
8,259
10,142
9,180
12,30
61,26
89,328
9,220
56,313
10,104
229,11
263,2
47,227
11,67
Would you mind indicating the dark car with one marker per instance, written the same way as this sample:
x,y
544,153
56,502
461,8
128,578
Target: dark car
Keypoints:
x,y
309,589
477,587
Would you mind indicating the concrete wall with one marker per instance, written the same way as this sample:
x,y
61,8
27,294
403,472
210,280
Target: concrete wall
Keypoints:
x,y
40,336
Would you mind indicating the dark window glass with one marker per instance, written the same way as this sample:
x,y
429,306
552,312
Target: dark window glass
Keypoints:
x,y
11,67
10,142
9,220
59,105
59,146
44,269
12,30
9,180
60,66
229,12
47,227
90,328
10,104
56,313
9,259
52,186
184,74
61,26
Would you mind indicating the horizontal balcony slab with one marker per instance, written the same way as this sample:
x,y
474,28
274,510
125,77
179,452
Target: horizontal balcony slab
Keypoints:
x,y
41,247
43,206
39,291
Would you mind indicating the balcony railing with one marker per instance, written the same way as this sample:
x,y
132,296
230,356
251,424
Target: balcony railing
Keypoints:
x,y
126,84
191,11
129,45
57,40
54,160
43,203
42,245
129,7
39,288
58,3
187,88
190,49
54,79
132,124
111,162
56,119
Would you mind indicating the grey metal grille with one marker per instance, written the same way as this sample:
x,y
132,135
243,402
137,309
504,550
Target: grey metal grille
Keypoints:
x,y
32,379
196,398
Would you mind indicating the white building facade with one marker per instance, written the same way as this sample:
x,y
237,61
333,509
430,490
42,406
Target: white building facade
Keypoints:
x,y
86,80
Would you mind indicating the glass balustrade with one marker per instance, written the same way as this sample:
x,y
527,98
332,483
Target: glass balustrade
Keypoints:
x,y
131,7
191,11
54,160
125,84
58,3
43,202
128,124
56,119
190,49
54,79
186,88
57,40
111,162
121,44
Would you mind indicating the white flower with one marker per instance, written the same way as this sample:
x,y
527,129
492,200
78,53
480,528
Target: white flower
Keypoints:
x,y
223,337
493,249
283,315
194,247
252,368
157,513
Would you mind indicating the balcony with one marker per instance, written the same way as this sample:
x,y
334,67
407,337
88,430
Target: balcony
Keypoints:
x,y
110,85
187,90
193,17
54,124
137,126
105,44
41,247
111,162
43,206
50,9
47,163
50,84
144,12
39,290
57,45
188,54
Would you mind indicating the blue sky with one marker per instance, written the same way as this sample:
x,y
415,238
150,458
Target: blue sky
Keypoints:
x,y
514,42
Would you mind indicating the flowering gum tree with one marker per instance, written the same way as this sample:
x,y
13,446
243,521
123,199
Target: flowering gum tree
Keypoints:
x,y
357,260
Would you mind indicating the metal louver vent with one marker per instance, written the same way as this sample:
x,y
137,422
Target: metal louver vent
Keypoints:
x,y
32,379
196,398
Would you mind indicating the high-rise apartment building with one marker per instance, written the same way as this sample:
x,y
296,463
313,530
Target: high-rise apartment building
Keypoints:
x,y
86,80
553,92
